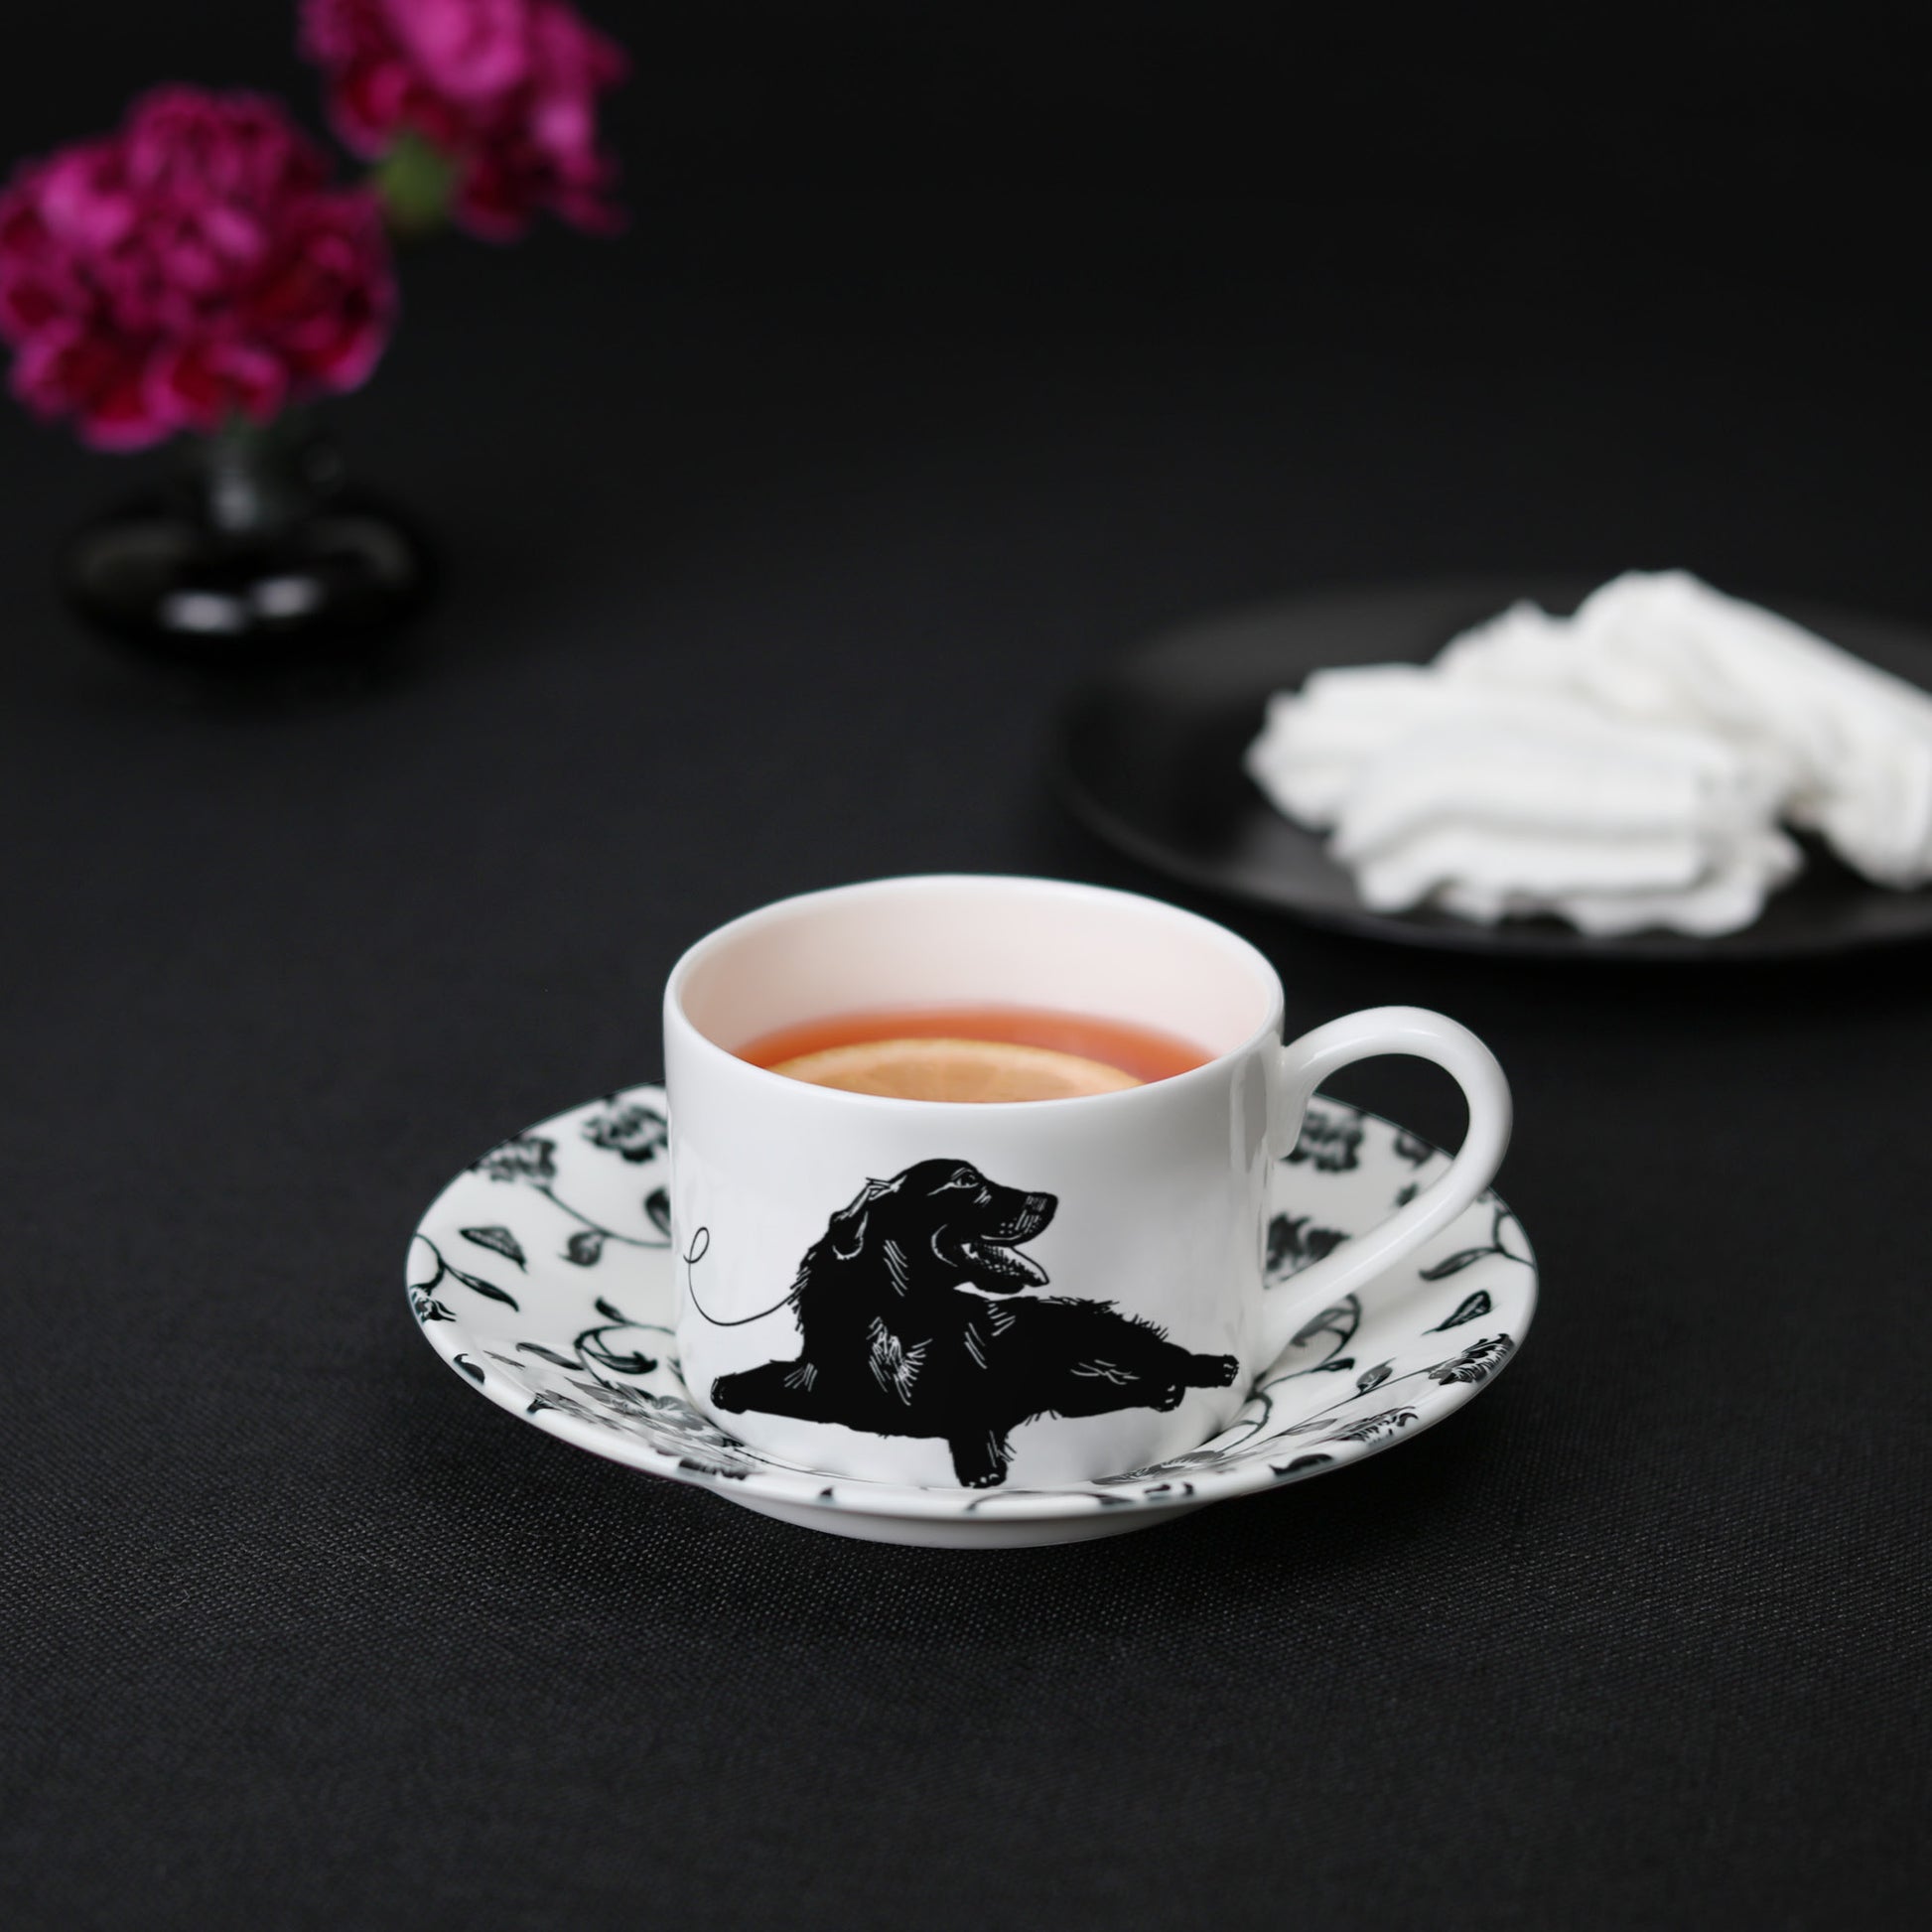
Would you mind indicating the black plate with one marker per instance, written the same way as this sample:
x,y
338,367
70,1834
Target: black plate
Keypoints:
x,y
1150,758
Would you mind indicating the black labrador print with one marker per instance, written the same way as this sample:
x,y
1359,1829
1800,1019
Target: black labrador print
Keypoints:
x,y
915,1322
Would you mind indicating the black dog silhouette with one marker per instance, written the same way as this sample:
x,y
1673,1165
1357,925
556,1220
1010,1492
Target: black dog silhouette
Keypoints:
x,y
893,1343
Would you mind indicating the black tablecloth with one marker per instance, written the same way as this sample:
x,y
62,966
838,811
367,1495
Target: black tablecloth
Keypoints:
x,y
775,533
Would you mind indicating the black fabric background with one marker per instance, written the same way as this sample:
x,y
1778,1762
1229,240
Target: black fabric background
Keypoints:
x,y
942,361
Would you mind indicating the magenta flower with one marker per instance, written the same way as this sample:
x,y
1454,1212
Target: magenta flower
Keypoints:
x,y
190,267
503,90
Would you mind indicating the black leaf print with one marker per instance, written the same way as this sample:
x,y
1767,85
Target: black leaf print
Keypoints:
x,y
628,1129
1329,1137
1411,1146
1502,1222
470,1369
657,1204
1300,1464
610,1399
1466,1310
1375,1428
1373,1378
1456,1264
594,1349
528,1157
1476,1363
1316,1425
490,1290
609,1314
638,1363
1293,1245
501,1240
428,1308
665,1424
1404,1195
1281,1237
1319,1342
550,1355
1187,1461
1341,1321
712,1468
627,1402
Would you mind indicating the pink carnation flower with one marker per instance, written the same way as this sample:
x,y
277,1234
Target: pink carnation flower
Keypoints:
x,y
192,266
505,89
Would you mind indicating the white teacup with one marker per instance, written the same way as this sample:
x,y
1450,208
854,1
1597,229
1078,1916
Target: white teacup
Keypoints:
x,y
1026,1293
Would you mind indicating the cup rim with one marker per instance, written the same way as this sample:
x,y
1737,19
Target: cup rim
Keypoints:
x,y
1273,1022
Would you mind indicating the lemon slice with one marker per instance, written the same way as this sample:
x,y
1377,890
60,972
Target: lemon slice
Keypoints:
x,y
955,1069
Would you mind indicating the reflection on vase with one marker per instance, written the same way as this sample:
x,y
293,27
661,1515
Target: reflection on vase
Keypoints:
x,y
256,560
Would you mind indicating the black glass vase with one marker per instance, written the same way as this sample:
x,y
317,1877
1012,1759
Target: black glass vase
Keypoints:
x,y
258,562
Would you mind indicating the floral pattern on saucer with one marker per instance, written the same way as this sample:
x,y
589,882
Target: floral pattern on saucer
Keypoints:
x,y
544,1276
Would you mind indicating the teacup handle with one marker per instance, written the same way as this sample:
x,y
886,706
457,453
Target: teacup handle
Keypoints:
x,y
1305,1065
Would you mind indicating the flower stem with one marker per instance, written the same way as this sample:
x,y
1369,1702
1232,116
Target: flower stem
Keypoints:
x,y
415,182
596,1228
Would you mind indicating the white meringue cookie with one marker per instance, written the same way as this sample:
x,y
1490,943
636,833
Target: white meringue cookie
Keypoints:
x,y
1622,768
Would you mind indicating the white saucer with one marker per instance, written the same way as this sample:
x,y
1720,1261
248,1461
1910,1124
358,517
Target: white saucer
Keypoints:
x,y
543,1275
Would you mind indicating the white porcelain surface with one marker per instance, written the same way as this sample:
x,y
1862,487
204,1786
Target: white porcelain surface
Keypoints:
x,y
544,1276
853,1258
